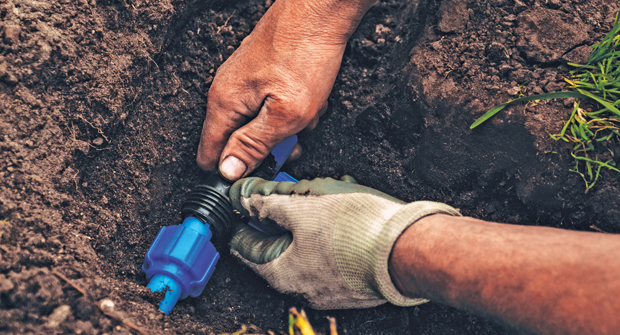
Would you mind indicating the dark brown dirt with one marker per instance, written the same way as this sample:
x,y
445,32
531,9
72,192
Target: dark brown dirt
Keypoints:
x,y
101,106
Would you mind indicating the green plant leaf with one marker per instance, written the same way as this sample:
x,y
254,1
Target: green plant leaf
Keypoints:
x,y
545,96
599,100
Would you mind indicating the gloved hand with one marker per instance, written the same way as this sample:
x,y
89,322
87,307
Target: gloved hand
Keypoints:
x,y
341,236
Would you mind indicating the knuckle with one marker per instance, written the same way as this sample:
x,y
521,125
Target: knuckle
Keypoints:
x,y
291,111
254,147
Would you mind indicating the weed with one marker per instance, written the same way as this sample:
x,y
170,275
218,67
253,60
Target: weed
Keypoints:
x,y
598,80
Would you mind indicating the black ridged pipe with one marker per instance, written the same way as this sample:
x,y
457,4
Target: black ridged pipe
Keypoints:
x,y
210,204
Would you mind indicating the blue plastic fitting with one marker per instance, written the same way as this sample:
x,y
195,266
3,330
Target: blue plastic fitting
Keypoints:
x,y
283,176
180,261
182,258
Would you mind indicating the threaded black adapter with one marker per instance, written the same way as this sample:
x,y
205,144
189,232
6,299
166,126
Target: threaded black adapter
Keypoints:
x,y
210,204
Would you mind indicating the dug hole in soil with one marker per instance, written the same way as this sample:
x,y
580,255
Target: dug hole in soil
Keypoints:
x,y
102,103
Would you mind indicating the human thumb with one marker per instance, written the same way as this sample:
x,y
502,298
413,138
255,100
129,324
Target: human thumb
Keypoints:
x,y
257,247
249,145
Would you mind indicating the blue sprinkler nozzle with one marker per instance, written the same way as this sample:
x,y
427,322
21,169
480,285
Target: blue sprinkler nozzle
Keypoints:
x,y
180,261
182,258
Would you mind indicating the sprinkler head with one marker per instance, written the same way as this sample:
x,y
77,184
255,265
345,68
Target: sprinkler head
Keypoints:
x,y
183,257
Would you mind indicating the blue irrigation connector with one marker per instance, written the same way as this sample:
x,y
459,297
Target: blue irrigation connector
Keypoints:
x,y
182,257
180,261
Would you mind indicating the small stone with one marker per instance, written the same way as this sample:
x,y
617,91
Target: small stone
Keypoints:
x,y
98,141
57,317
348,105
6,284
106,305
366,43
3,69
514,90
382,30
11,33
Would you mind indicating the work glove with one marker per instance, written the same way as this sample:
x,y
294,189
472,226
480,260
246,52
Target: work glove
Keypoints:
x,y
339,242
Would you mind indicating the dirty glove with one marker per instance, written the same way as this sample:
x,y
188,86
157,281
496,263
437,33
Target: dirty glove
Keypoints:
x,y
341,236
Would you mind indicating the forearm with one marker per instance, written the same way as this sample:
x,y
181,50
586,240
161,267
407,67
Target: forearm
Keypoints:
x,y
326,21
539,280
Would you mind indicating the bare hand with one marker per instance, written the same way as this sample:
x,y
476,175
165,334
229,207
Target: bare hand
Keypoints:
x,y
276,83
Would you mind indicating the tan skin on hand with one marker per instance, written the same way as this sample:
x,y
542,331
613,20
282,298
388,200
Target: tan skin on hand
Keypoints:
x,y
539,280
276,83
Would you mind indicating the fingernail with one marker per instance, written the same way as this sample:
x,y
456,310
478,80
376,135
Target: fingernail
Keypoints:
x,y
232,168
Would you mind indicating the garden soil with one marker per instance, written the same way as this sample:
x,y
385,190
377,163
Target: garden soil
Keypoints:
x,y
101,107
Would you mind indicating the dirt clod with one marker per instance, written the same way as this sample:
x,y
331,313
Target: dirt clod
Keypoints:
x,y
453,16
11,33
58,316
546,34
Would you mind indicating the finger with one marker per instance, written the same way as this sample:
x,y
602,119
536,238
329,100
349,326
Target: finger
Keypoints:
x,y
348,179
220,122
313,123
323,109
295,154
250,144
315,120
246,193
258,247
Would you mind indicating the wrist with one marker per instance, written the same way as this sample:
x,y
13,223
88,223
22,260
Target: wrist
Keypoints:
x,y
400,264
399,283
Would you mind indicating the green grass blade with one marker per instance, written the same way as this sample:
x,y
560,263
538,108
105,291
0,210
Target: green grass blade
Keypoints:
x,y
572,115
604,164
599,100
546,96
